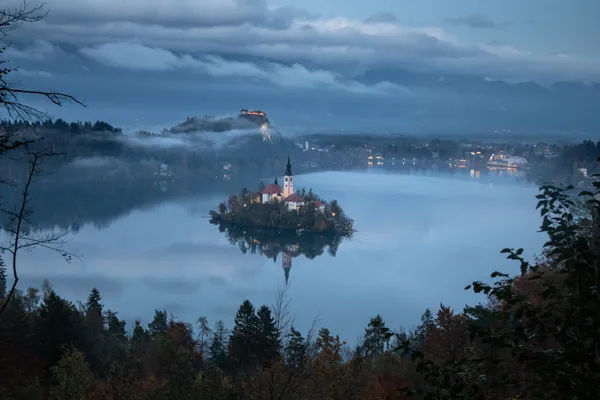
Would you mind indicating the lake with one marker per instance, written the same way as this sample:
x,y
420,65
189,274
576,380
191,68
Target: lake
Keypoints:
x,y
421,239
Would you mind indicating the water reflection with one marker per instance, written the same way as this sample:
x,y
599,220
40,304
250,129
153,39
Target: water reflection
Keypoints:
x,y
271,243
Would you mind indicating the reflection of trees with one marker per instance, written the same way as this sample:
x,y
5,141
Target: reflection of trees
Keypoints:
x,y
270,243
70,206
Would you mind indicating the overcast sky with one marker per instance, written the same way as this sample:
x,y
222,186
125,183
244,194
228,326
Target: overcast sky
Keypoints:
x,y
189,55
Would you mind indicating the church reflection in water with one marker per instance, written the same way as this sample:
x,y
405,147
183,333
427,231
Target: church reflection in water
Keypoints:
x,y
289,244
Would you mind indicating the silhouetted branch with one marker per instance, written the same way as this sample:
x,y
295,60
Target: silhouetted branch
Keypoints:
x,y
281,310
9,92
17,227
13,18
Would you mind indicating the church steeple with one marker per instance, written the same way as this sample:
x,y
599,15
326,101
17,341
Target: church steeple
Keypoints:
x,y
288,180
288,168
275,182
286,263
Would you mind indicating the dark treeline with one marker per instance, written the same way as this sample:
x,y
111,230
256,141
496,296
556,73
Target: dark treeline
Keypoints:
x,y
536,336
61,125
108,154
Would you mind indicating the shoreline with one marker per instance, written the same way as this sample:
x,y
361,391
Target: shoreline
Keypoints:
x,y
217,219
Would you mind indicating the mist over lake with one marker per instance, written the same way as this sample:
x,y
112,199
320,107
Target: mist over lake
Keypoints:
x,y
421,239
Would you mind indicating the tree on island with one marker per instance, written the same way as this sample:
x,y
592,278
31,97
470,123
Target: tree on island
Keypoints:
x,y
241,210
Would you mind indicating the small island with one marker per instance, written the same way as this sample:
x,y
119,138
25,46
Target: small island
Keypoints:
x,y
272,207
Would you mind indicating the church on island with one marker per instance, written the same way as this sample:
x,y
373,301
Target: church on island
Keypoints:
x,y
293,201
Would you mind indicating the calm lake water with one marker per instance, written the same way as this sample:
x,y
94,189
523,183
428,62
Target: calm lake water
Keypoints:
x,y
420,240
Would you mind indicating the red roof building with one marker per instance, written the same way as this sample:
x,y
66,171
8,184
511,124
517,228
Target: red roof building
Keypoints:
x,y
294,198
272,188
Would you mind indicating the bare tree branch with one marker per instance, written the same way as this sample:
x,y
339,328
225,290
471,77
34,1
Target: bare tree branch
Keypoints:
x,y
281,310
20,226
10,19
13,18
16,237
17,227
310,342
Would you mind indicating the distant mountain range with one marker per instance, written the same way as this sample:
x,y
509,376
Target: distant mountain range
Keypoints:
x,y
471,101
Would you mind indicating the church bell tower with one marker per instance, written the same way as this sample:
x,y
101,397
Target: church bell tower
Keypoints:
x,y
288,180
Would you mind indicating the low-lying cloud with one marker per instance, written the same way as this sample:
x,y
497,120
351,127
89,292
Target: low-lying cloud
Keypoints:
x,y
97,162
196,140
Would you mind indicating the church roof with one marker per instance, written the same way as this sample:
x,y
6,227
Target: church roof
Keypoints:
x,y
272,189
295,198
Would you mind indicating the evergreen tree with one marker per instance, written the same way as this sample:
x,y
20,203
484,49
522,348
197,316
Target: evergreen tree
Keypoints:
x,y
57,328
424,329
243,344
269,337
159,324
116,327
377,337
93,307
139,333
218,345
95,335
295,349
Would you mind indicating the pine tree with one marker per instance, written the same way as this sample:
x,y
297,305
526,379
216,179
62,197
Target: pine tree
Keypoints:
x,y
139,333
93,305
57,328
268,337
295,349
159,324
424,330
377,336
218,345
93,311
243,343
116,327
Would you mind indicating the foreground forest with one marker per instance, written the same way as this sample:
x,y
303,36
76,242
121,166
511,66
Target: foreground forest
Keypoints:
x,y
536,336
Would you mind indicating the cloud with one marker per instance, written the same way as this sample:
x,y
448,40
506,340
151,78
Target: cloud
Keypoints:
x,y
40,50
33,73
476,21
134,56
246,34
96,162
381,17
